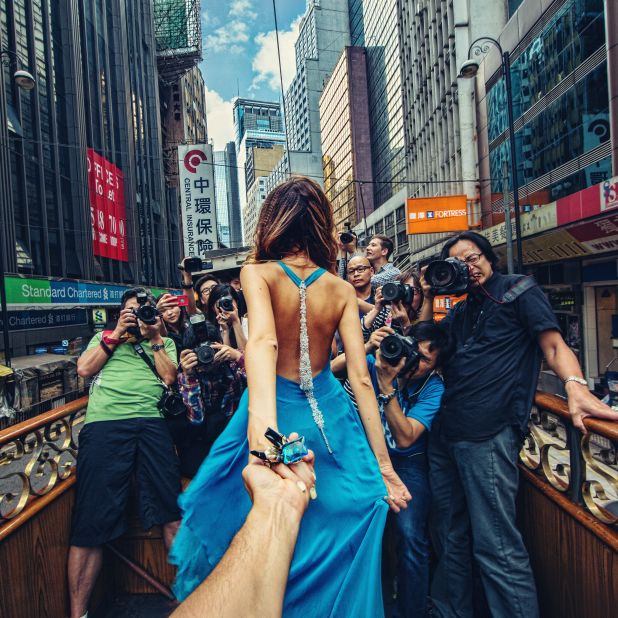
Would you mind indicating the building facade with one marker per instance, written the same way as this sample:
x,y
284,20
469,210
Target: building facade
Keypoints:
x,y
96,98
346,143
221,198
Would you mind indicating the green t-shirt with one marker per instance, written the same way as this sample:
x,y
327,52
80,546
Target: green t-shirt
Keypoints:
x,y
126,387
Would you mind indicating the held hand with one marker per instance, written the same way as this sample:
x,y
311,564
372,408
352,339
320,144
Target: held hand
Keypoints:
x,y
387,373
427,291
125,321
583,404
398,494
225,353
229,317
375,339
188,362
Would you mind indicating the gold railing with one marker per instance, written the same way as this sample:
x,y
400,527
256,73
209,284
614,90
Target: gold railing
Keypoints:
x,y
37,462
583,468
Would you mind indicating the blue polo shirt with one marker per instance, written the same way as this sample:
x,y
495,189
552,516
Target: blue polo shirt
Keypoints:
x,y
422,403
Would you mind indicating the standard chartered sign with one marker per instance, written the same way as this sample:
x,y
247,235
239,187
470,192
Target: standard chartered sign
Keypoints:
x,y
23,291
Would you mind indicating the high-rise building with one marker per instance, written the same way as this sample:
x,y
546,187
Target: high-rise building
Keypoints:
x,y
183,121
258,124
233,198
93,116
374,25
221,198
260,164
346,145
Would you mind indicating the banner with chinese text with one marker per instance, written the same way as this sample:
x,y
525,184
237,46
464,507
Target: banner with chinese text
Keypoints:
x,y
425,215
107,209
197,199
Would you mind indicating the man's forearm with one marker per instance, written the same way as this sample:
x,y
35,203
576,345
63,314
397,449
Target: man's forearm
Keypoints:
x,y
426,312
256,563
92,361
165,367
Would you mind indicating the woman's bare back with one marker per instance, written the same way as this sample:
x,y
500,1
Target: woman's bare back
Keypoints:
x,y
325,304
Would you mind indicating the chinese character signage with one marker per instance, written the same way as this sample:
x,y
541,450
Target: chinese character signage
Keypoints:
x,y
107,210
609,194
197,199
426,215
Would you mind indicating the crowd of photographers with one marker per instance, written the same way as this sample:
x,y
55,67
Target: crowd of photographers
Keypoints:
x,y
454,398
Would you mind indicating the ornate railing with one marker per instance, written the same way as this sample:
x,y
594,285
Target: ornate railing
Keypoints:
x,y
37,462
582,467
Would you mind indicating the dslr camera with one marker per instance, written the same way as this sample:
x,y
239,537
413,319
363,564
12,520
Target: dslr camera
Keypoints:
x,y
194,265
203,350
146,312
448,276
395,347
397,291
226,303
346,237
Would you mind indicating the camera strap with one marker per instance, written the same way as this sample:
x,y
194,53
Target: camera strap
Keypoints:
x,y
142,354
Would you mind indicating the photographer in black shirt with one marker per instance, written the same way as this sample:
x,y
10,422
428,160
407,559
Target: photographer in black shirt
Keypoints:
x,y
499,333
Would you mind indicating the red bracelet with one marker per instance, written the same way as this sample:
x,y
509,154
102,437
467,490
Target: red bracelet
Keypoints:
x,y
110,340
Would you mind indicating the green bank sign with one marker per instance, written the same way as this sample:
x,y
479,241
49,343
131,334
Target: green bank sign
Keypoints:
x,y
23,291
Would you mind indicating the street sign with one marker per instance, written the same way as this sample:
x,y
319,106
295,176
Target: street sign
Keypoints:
x,y
427,215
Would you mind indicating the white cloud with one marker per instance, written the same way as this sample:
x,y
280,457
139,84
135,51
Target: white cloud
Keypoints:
x,y
208,21
219,117
228,38
242,8
265,63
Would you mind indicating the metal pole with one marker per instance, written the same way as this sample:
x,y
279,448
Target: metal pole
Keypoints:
x,y
506,69
507,218
5,313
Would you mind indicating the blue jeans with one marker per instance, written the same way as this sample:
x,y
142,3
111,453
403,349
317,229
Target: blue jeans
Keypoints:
x,y
412,537
473,487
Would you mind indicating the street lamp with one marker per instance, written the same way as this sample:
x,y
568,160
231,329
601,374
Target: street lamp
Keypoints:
x,y
24,80
469,69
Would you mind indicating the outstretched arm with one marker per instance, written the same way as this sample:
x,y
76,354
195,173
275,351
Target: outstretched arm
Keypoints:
x,y
358,374
260,356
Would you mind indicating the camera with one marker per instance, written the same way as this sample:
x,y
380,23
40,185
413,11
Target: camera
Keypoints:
x,y
226,303
395,347
194,265
448,276
146,312
397,291
346,237
203,350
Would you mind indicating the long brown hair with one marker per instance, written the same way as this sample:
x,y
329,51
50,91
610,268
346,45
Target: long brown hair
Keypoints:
x,y
296,216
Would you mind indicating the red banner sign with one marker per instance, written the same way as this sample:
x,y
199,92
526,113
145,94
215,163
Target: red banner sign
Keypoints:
x,y
107,210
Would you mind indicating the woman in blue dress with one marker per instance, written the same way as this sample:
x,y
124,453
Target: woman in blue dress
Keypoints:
x,y
295,305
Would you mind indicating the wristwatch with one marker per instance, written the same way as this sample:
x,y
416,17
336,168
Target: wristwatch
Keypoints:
x,y
385,399
155,347
575,379
187,286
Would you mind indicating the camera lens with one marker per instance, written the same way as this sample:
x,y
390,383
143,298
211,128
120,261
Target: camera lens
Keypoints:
x,y
345,238
441,274
205,354
391,348
226,303
391,292
147,314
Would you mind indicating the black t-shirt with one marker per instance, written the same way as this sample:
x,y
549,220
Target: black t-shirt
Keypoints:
x,y
491,378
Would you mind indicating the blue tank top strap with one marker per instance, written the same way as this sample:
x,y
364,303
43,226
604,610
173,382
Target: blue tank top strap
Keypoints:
x,y
297,280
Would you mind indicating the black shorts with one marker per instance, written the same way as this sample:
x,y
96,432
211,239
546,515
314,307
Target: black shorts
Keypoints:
x,y
110,452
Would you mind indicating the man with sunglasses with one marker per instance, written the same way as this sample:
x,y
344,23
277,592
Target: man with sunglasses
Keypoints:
x,y
500,334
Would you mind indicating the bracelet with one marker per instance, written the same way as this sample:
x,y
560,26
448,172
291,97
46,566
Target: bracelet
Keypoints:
x,y
106,348
110,340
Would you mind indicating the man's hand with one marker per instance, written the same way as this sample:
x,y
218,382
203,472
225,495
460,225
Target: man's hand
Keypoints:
x,y
126,320
427,290
349,247
188,362
583,404
387,373
152,332
376,337
378,300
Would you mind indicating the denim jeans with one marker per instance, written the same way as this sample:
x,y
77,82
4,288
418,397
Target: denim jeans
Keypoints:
x,y
473,488
412,539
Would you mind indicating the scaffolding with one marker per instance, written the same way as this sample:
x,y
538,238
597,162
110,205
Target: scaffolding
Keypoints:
x,y
178,34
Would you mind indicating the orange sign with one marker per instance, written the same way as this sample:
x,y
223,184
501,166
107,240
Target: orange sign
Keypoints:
x,y
426,215
443,304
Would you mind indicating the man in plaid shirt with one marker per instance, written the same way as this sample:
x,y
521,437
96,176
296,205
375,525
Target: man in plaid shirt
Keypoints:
x,y
378,251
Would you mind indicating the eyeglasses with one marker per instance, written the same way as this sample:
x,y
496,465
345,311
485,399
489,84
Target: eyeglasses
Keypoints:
x,y
208,290
473,258
358,269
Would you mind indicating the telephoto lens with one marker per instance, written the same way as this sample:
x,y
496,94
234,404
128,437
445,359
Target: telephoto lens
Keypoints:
x,y
346,237
448,276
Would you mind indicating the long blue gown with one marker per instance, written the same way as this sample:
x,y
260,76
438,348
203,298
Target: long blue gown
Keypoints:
x,y
335,570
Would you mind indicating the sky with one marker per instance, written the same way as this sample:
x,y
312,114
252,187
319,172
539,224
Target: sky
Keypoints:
x,y
240,56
